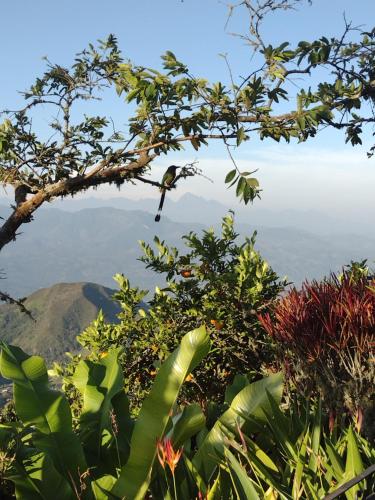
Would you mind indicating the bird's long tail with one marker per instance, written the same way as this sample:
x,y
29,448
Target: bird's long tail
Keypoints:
x,y
162,198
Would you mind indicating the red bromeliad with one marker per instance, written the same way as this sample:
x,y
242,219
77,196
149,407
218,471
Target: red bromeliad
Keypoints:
x,y
334,314
325,337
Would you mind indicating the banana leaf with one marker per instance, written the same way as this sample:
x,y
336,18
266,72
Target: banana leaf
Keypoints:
x,y
252,401
45,409
188,424
100,383
35,478
152,421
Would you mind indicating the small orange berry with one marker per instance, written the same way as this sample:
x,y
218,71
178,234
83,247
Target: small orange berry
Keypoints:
x,y
219,325
186,273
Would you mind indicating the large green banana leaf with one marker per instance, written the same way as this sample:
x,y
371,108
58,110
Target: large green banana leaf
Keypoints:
x,y
46,410
154,415
252,401
35,478
99,384
187,424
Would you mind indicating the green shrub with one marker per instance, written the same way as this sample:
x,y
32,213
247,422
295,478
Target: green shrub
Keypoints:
x,y
219,283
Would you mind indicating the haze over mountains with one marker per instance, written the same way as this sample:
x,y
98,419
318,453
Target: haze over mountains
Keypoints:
x,y
191,208
91,242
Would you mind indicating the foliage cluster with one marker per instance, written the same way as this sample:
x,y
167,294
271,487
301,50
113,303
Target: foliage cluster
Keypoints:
x,y
248,450
169,107
217,282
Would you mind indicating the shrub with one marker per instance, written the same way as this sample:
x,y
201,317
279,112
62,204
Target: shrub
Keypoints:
x,y
219,283
326,338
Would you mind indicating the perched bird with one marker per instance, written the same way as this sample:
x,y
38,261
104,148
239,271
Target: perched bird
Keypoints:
x,y
20,193
167,181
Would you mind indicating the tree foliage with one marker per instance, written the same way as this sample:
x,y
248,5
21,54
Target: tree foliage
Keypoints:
x,y
169,107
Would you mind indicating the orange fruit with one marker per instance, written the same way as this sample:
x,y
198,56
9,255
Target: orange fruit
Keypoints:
x,y
186,273
219,325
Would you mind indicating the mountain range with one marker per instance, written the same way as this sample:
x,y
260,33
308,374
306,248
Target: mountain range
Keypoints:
x,y
189,208
92,244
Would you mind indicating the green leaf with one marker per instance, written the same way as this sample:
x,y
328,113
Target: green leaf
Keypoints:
x,y
240,186
252,182
230,176
252,401
315,440
201,485
299,468
36,478
189,422
335,460
98,383
154,415
241,135
102,487
243,485
195,143
354,465
44,409
240,381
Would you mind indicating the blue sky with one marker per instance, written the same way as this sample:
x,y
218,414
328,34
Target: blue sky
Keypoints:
x,y
194,31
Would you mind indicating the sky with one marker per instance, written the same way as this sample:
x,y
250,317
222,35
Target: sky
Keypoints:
x,y
322,174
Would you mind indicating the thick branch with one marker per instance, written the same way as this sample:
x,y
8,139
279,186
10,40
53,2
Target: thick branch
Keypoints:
x,y
24,211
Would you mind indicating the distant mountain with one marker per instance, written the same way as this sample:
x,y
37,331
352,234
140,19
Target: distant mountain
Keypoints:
x,y
189,208
89,245
61,312
93,244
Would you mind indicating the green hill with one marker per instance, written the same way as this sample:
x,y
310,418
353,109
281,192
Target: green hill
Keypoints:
x,y
60,312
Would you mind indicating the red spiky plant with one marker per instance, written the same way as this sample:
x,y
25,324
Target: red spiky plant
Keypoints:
x,y
325,337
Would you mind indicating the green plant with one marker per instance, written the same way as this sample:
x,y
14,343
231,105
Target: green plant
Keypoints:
x,y
109,451
247,449
217,282
296,456
50,458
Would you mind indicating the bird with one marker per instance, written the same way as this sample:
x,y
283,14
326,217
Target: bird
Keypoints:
x,y
168,179
20,193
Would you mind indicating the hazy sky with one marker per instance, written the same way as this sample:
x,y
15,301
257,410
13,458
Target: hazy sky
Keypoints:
x,y
323,173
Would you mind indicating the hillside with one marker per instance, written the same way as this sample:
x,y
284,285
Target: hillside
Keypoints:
x,y
60,312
